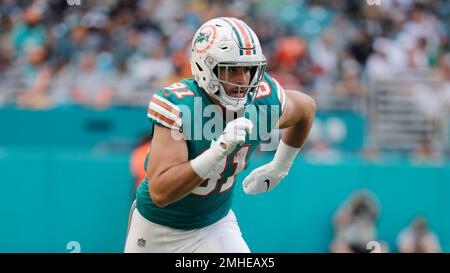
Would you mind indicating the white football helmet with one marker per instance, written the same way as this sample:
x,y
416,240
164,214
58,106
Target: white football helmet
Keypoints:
x,y
222,43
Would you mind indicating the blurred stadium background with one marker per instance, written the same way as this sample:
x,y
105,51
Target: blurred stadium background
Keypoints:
x,y
76,77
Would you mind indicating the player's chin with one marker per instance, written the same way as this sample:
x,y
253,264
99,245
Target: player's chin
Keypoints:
x,y
236,94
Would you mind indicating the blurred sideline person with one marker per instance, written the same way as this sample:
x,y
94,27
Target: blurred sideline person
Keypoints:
x,y
137,160
184,203
355,224
418,238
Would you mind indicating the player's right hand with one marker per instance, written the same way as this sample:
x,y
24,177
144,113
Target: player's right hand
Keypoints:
x,y
234,134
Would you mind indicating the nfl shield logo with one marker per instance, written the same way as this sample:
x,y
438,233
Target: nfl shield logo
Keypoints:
x,y
141,242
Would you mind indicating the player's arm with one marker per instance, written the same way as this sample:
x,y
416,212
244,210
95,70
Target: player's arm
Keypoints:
x,y
297,118
171,176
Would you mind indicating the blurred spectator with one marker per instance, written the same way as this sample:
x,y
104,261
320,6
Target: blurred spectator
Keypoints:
x,y
325,56
432,99
360,46
130,45
380,65
289,51
350,87
320,151
70,48
127,89
156,69
33,76
444,67
5,76
444,76
89,85
324,53
30,32
418,238
425,26
427,152
371,153
355,223
417,57
61,85
181,65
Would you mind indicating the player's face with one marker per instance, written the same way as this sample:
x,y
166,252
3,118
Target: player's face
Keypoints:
x,y
236,75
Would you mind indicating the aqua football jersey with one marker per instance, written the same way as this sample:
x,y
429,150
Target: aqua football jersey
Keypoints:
x,y
183,106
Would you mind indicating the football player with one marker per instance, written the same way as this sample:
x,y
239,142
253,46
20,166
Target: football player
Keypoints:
x,y
184,203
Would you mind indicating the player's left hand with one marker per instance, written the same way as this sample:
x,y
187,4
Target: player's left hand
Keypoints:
x,y
263,179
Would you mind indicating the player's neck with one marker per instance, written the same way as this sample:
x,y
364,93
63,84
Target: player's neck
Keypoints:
x,y
227,114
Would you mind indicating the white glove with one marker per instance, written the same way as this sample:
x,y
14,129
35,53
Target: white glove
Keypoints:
x,y
267,177
233,135
263,179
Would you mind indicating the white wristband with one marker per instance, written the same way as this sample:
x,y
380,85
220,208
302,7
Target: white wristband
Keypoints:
x,y
285,156
208,160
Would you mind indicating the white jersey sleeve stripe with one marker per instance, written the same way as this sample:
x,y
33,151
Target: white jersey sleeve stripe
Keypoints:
x,y
166,102
157,119
164,112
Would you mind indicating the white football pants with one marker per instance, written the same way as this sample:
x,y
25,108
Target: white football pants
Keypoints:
x,y
223,236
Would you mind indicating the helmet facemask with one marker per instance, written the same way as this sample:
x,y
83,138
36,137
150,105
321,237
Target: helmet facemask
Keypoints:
x,y
244,94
